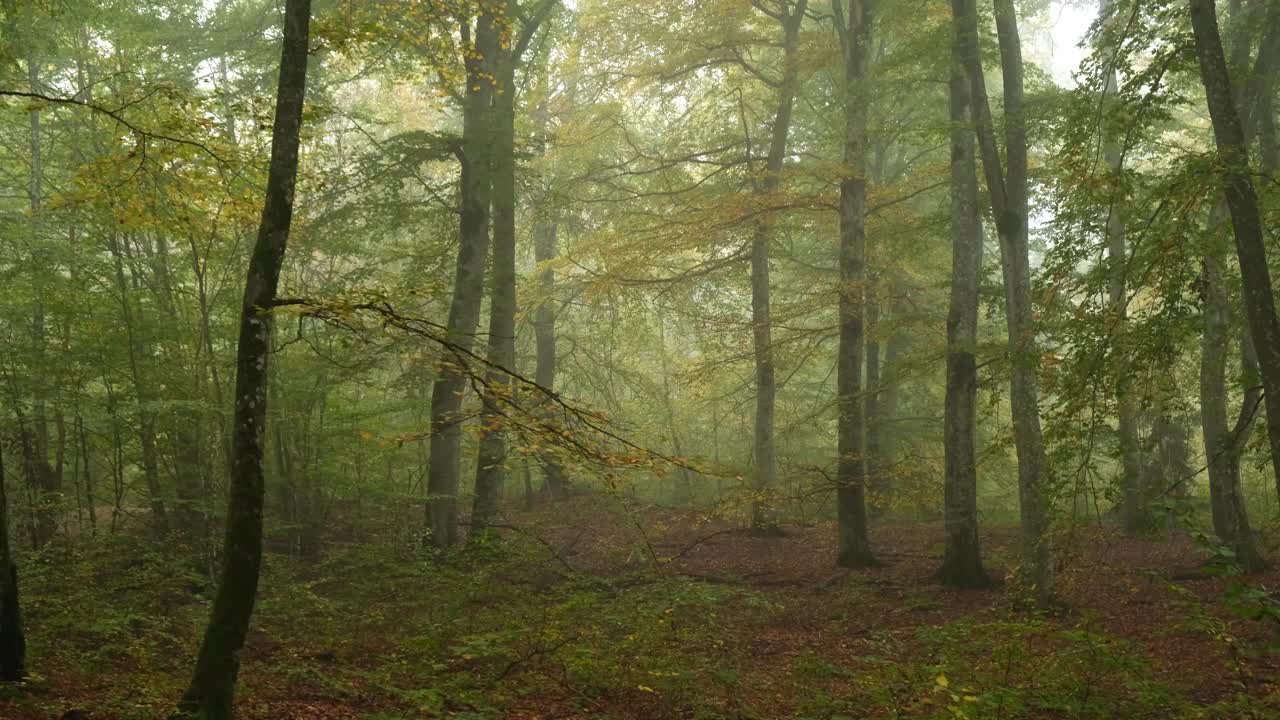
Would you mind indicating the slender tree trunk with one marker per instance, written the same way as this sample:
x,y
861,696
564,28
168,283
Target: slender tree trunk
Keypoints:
x,y
210,694
854,548
492,453
683,487
89,498
1224,447
1008,190
13,643
877,464
1229,130
962,556
545,232
765,471
45,485
1133,500
468,286
146,420
186,430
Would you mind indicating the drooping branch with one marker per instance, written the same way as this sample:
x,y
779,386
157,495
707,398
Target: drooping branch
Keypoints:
x,y
141,133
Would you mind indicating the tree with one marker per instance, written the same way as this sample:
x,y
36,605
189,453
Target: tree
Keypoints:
x,y
545,250
855,34
474,155
962,558
1007,187
1133,500
765,471
212,688
492,453
13,643
1231,129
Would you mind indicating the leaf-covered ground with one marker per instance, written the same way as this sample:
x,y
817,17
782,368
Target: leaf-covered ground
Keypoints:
x,y
597,610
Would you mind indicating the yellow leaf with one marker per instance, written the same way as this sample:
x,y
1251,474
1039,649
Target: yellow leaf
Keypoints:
x,y
942,681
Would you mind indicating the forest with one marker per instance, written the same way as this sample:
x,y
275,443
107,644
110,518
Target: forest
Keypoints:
x,y
639,359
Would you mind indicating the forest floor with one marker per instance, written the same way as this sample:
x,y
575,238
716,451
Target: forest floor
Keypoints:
x,y
593,609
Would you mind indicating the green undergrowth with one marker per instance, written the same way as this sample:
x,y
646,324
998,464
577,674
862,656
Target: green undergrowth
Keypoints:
x,y
392,632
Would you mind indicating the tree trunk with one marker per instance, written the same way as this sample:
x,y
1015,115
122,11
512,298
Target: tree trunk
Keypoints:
x,y
877,480
962,556
1008,190
1133,498
492,453
1224,447
186,427
683,487
209,696
545,251
765,471
45,485
444,465
854,548
1231,138
13,643
90,499
146,420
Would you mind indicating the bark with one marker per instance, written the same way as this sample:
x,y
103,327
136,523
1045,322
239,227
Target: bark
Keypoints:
x,y
1008,189
13,643
444,465
1133,500
1224,447
545,251
210,694
1230,138
491,458
765,471
877,480
854,547
962,556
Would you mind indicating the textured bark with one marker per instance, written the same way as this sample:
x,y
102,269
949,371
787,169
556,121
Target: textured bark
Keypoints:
x,y
491,458
1008,192
13,643
765,470
962,556
854,548
210,693
468,285
1231,136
